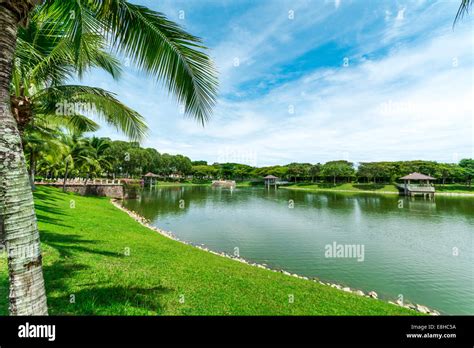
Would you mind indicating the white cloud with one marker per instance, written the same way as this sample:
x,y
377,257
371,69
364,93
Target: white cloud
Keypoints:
x,y
410,102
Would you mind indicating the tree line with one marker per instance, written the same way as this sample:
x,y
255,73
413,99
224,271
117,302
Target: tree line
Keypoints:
x,y
69,155
344,171
75,156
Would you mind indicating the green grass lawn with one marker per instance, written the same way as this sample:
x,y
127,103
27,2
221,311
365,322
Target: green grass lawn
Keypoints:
x,y
249,183
454,188
355,187
85,257
343,187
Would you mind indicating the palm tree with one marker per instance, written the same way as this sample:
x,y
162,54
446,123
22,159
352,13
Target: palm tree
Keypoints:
x,y
102,161
42,65
75,154
155,44
86,156
38,141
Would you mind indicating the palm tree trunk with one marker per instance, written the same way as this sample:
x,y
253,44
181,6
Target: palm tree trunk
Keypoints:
x,y
65,176
17,215
32,170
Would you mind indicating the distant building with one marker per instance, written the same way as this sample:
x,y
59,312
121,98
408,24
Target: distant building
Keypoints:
x,y
175,176
422,185
270,180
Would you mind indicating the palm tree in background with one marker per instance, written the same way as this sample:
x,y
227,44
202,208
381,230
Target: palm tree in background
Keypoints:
x,y
154,44
69,154
100,155
97,162
78,155
39,141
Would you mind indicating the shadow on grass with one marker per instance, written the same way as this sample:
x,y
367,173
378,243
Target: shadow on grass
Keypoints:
x,y
44,210
45,196
52,209
56,274
97,298
50,220
116,300
68,244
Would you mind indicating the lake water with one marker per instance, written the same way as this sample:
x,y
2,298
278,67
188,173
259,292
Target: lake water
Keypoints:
x,y
420,249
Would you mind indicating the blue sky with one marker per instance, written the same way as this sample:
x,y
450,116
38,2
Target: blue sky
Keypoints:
x,y
317,80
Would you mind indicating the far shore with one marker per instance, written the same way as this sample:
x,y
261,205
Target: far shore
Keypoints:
x,y
343,188
465,194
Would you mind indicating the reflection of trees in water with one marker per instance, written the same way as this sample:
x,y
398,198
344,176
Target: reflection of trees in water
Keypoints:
x,y
455,205
418,205
336,200
165,201
177,200
378,203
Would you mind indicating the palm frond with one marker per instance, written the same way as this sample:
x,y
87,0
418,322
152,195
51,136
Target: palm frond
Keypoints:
x,y
91,101
153,43
74,123
42,138
46,53
464,9
162,48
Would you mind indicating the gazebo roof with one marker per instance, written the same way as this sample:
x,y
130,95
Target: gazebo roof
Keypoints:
x,y
417,176
270,177
151,175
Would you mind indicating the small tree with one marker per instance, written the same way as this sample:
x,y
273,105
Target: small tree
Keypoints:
x,y
314,171
335,169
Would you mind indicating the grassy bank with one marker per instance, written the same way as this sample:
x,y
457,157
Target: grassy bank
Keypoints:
x,y
353,187
454,188
380,188
112,265
206,183
248,183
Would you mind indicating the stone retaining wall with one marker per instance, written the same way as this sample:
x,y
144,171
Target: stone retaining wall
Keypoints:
x,y
108,190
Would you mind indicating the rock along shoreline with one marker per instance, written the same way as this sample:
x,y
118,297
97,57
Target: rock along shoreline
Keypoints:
x,y
372,294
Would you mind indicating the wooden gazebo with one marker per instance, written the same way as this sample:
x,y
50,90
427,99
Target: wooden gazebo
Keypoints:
x,y
423,184
270,180
150,178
